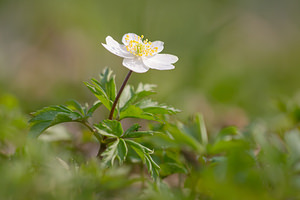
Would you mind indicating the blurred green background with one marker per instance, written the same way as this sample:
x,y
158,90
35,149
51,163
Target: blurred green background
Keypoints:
x,y
236,57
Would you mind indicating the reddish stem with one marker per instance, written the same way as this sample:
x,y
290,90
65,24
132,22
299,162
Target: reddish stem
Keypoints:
x,y
118,96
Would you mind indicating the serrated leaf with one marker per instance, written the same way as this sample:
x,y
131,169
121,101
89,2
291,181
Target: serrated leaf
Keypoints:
x,y
100,94
104,88
93,108
149,106
137,134
146,109
152,167
47,113
105,77
107,83
110,154
117,149
131,96
138,146
110,128
49,116
111,89
75,106
134,105
122,151
135,112
144,153
134,127
133,132
139,152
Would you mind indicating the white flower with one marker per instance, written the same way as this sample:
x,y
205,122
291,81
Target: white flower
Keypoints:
x,y
140,55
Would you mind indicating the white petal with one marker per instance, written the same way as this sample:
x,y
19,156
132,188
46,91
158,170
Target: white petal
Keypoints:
x,y
135,65
164,58
155,64
159,45
132,36
116,48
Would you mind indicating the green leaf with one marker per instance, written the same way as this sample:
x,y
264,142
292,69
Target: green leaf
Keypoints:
x,y
138,146
169,168
111,89
144,153
100,94
37,128
93,108
152,167
75,106
110,128
133,132
138,150
135,112
171,163
137,134
149,106
117,149
104,88
50,116
181,137
107,82
122,151
110,154
131,96
134,105
126,95
134,127
202,133
146,109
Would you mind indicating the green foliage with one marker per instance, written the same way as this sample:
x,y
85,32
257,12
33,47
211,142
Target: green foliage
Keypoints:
x,y
260,161
185,159
117,149
121,141
137,134
110,128
105,88
136,104
50,116
13,125
171,162
144,153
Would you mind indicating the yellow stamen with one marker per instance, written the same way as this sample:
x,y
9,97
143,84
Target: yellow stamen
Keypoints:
x,y
139,47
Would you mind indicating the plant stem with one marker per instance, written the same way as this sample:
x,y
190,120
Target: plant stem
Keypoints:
x,y
87,125
118,96
103,145
97,135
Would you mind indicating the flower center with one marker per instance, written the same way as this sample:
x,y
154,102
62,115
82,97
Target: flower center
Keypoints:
x,y
140,47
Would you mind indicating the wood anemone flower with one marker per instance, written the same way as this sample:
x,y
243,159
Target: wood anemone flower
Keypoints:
x,y
140,54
